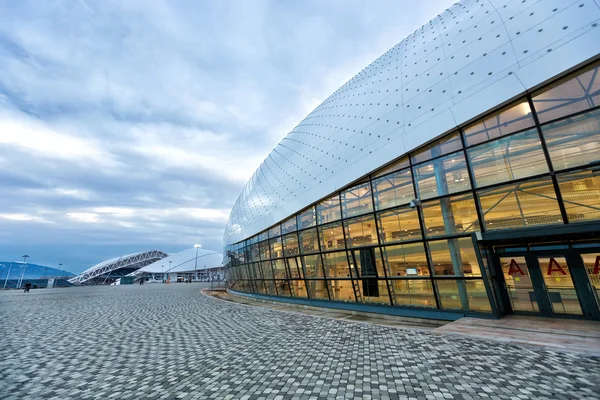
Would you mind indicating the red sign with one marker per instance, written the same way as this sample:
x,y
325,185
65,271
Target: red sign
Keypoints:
x,y
554,266
514,267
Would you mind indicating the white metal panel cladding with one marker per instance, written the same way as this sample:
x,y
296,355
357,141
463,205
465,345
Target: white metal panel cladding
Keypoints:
x,y
469,59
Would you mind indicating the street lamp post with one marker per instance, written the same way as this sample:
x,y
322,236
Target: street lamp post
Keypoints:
x,y
170,262
23,268
6,280
60,269
197,246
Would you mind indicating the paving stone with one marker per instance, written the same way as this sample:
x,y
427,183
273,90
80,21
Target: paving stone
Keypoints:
x,y
171,342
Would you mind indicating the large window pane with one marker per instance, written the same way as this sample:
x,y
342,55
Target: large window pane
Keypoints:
x,y
336,265
412,292
267,271
467,295
270,287
574,141
342,290
514,119
520,205
576,94
313,267
283,288
393,190
581,194
317,289
294,265
442,176
263,236
298,288
254,253
275,231
309,241
509,158
279,269
360,231
332,236
289,225
263,248
396,166
373,290
276,248
405,260
307,218
329,210
357,200
454,257
443,146
450,215
399,225
365,263
290,247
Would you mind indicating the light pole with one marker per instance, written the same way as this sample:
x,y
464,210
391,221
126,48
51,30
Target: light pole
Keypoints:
x,y
170,262
60,269
23,268
197,246
6,280
162,272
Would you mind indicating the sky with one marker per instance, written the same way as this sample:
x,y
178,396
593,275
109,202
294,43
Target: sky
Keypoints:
x,y
133,125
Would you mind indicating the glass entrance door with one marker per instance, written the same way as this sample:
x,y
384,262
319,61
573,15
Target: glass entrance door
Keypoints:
x,y
550,282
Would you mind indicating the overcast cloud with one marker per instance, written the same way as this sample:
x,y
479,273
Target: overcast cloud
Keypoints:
x,y
132,125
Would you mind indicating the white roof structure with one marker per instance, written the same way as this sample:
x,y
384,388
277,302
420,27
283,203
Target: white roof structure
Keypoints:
x,y
476,55
129,261
184,261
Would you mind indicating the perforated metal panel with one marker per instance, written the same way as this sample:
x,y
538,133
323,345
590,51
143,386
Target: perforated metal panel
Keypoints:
x,y
469,59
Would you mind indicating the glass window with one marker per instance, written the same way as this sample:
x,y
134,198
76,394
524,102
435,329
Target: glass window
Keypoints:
x,y
365,263
576,94
520,205
574,141
329,210
336,265
263,248
454,257
507,159
307,218
581,194
412,292
270,287
260,287
406,260
442,176
399,225
275,231
373,290
450,215
505,122
289,225
393,190
276,248
309,241
396,166
267,271
313,267
263,236
279,269
468,295
290,247
332,236
357,200
283,288
342,290
254,253
443,146
295,267
317,289
298,288
360,231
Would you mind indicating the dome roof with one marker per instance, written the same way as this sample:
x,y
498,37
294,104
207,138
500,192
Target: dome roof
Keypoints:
x,y
469,59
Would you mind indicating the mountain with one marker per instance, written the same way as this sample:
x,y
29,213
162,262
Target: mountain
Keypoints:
x,y
32,271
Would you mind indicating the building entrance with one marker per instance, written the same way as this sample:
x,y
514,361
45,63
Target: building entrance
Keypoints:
x,y
551,280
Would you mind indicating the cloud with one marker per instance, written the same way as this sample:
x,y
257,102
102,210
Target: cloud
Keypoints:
x,y
131,125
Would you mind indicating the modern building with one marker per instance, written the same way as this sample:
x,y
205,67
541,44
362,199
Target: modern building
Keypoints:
x,y
458,174
109,271
195,264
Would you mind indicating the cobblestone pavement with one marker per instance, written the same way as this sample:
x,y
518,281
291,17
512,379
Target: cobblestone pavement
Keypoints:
x,y
171,342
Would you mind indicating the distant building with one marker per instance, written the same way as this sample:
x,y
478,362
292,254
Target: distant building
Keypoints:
x,y
458,174
182,266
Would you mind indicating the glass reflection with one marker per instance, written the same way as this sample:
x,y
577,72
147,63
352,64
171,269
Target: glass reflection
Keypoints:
x,y
442,176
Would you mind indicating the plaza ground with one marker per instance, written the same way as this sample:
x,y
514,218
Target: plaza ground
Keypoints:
x,y
172,342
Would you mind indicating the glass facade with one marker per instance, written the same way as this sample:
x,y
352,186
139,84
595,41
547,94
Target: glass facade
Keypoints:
x,y
402,237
